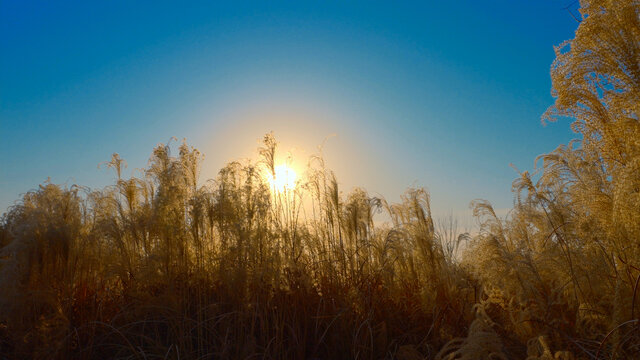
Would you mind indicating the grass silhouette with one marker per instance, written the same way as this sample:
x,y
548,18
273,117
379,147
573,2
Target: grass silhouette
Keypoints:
x,y
163,266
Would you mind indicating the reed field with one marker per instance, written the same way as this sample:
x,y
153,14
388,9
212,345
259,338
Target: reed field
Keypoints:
x,y
167,265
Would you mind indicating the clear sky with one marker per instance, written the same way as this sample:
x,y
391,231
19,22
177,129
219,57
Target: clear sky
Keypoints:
x,y
440,94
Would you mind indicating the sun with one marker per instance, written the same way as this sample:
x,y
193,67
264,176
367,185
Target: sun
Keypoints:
x,y
283,179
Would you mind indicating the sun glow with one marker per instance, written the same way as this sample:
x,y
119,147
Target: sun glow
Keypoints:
x,y
283,179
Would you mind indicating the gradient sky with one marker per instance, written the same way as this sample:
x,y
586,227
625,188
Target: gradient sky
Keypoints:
x,y
441,94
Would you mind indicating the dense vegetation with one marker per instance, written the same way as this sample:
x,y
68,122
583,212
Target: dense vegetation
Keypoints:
x,y
162,266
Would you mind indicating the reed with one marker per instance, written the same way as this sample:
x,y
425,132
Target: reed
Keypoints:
x,y
162,265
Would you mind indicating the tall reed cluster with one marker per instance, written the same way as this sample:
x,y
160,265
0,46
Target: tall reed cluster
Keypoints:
x,y
562,273
164,266
159,265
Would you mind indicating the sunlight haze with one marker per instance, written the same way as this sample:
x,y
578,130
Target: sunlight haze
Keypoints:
x,y
394,100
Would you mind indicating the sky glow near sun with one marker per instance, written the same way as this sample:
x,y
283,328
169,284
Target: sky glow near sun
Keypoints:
x,y
390,82
284,178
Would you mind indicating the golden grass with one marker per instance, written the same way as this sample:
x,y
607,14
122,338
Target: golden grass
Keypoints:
x,y
162,266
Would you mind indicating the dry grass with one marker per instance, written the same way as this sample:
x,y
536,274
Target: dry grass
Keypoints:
x,y
162,266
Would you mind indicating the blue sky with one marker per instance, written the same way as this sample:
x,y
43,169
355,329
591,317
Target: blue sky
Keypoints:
x,y
441,94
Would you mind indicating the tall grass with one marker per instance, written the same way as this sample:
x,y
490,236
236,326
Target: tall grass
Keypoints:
x,y
164,266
